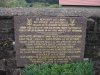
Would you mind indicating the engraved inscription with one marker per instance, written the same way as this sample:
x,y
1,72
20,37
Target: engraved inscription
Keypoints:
x,y
49,39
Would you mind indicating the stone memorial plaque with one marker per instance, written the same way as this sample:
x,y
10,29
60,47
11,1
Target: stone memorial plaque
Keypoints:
x,y
49,39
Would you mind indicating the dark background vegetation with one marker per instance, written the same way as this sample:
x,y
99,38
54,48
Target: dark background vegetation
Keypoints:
x,y
48,1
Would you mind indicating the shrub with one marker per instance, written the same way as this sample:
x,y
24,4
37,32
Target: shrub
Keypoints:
x,y
23,3
14,3
41,5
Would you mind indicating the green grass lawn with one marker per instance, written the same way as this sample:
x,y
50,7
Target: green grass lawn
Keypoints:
x,y
79,68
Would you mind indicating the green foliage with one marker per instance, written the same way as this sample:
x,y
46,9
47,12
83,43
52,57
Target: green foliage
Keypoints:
x,y
41,5
79,68
2,5
46,1
23,3
54,6
16,3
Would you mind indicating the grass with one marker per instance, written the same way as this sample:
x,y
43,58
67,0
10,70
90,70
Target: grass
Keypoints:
x,y
79,68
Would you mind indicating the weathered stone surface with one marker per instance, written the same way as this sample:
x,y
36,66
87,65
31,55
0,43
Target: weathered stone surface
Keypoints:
x,y
2,65
49,39
66,11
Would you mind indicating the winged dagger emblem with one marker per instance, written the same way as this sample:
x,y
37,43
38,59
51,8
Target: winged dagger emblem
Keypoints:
x,y
29,21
